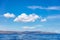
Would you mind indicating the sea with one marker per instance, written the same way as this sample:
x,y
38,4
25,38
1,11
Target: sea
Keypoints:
x,y
29,36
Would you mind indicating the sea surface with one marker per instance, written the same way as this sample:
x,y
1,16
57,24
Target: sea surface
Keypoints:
x,y
29,36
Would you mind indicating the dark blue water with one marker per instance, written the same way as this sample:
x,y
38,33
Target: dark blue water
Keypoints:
x,y
30,36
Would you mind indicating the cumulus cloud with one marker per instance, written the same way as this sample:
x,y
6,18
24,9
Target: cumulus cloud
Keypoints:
x,y
46,8
26,18
8,15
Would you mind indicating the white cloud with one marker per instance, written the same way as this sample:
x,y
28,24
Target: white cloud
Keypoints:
x,y
38,25
46,8
31,28
28,28
43,20
53,8
54,17
35,7
26,18
8,15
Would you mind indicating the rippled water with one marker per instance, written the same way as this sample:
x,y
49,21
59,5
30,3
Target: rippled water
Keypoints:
x,y
30,36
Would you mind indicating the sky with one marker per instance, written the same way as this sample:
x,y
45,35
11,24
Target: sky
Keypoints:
x,y
30,15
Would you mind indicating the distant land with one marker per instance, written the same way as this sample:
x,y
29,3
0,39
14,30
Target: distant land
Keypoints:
x,y
25,32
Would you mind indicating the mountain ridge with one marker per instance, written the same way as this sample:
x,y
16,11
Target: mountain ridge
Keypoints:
x,y
25,32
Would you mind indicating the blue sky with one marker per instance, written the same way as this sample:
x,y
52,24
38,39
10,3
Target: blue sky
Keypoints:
x,y
30,15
